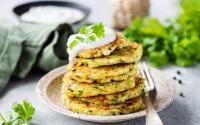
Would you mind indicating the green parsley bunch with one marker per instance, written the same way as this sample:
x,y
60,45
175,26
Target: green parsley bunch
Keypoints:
x,y
178,41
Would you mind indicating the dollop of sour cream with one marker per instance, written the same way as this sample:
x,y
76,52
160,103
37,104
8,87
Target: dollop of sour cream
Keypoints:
x,y
109,37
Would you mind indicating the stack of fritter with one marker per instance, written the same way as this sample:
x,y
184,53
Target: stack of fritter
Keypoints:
x,y
105,80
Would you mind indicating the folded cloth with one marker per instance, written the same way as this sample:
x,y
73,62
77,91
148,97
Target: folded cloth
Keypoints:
x,y
28,45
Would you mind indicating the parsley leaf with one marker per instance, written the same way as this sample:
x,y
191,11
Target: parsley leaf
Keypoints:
x,y
21,114
24,110
158,58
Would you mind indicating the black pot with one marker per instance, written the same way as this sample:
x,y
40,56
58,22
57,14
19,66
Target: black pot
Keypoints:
x,y
23,8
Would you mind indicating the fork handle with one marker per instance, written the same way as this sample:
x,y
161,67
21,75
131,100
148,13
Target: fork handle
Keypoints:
x,y
152,117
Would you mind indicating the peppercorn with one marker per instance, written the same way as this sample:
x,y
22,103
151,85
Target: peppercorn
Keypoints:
x,y
174,78
180,82
182,95
178,72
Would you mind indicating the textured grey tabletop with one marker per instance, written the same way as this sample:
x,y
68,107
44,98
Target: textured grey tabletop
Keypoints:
x,y
183,111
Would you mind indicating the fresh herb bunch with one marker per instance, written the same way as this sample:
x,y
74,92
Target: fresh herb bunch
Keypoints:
x,y
177,41
21,114
88,34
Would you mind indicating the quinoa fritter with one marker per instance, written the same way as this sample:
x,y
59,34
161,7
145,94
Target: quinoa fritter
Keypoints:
x,y
107,49
105,80
89,109
73,89
126,55
117,98
102,74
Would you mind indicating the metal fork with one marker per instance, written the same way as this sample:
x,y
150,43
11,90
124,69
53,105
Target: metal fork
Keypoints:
x,y
152,117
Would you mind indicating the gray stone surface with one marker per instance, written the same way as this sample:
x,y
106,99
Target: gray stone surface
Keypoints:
x,y
183,111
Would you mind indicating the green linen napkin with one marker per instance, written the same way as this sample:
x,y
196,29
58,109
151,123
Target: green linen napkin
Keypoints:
x,y
28,45
10,50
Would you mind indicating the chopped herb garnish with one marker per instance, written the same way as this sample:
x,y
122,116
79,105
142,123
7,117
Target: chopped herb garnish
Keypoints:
x,y
73,43
114,100
98,29
83,30
88,34
70,89
79,38
80,92
74,69
113,113
92,37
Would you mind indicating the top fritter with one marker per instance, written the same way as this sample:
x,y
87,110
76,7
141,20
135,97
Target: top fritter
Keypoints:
x,y
101,48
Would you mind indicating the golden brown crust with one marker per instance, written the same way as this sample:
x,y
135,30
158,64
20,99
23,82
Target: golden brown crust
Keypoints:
x,y
74,89
104,80
101,74
116,98
131,54
107,49
90,109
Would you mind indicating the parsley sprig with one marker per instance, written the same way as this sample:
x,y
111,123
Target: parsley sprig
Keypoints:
x,y
21,114
88,34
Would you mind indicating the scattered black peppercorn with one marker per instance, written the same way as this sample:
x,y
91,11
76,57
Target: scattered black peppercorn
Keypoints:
x,y
181,95
178,72
174,78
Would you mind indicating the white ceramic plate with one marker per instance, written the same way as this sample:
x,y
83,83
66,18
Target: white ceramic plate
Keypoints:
x,y
49,88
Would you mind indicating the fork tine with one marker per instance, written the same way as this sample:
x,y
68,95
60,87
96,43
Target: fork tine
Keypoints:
x,y
145,79
148,75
